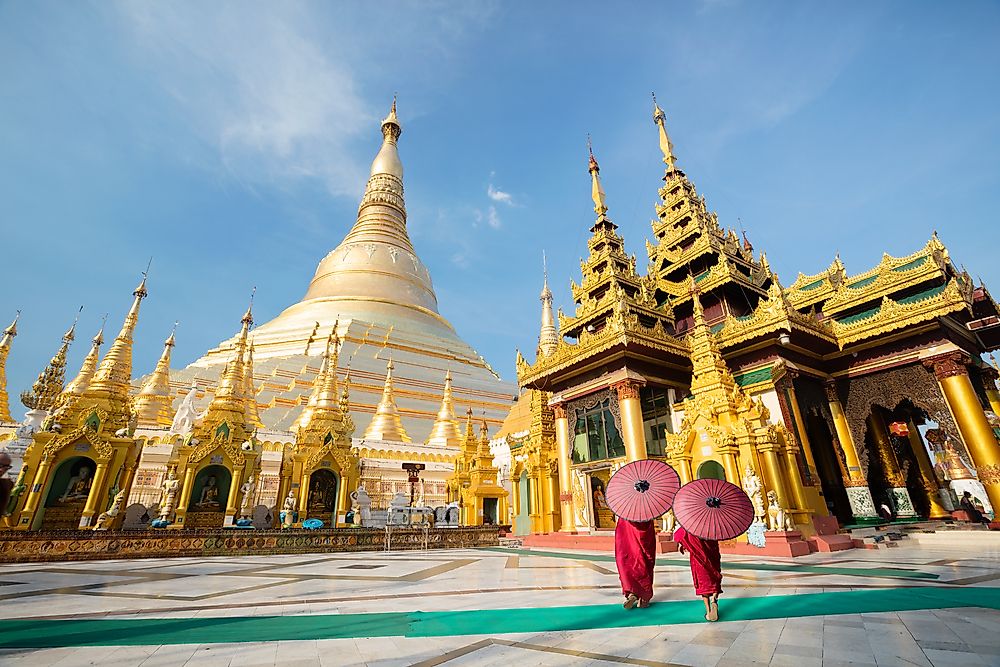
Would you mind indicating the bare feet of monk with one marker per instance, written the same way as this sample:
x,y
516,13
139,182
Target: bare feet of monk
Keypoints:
x,y
643,604
630,601
711,609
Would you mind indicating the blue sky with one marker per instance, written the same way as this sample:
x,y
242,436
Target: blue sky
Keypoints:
x,y
231,143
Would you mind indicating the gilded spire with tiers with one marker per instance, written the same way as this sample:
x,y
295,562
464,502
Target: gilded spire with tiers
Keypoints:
x,y
226,417
326,412
152,405
445,432
548,337
79,384
307,411
688,241
250,391
5,343
386,424
46,389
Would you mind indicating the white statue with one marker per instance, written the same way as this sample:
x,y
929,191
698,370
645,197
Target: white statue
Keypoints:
x,y
186,414
288,511
106,518
778,517
246,509
363,507
169,498
420,494
753,488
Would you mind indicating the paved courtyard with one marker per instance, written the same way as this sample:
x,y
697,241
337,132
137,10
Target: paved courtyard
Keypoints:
x,y
929,602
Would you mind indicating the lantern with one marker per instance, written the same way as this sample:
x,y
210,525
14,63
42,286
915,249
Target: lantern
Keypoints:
x,y
899,428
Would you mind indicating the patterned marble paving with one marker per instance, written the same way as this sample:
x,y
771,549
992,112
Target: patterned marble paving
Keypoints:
x,y
469,583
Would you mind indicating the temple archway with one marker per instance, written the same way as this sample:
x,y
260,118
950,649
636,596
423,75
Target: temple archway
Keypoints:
x,y
711,470
209,496
322,499
69,488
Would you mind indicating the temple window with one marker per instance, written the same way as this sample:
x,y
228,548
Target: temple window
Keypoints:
x,y
596,437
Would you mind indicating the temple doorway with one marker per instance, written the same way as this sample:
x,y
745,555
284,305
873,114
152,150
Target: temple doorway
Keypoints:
x,y
711,470
522,522
830,468
322,502
490,507
603,517
68,493
209,495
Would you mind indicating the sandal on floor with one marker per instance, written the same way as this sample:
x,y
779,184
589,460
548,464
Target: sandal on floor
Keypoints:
x,y
630,601
713,614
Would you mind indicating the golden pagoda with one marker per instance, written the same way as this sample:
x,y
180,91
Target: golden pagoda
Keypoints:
x,y
49,384
445,431
375,284
819,390
152,404
323,468
220,453
5,343
386,424
83,461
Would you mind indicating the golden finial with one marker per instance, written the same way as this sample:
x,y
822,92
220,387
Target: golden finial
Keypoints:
x,y
248,316
666,147
596,192
12,329
548,336
113,377
391,127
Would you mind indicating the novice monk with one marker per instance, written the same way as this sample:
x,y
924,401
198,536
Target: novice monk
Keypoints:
x,y
706,569
635,554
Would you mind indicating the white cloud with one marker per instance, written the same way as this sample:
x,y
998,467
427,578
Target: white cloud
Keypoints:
x,y
499,195
492,219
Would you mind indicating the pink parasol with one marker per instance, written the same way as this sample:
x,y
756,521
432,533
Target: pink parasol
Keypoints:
x,y
642,490
713,509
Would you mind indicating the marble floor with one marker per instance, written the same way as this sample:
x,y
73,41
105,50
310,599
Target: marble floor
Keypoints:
x,y
934,604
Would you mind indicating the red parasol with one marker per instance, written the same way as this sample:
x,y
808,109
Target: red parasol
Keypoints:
x,y
642,490
713,509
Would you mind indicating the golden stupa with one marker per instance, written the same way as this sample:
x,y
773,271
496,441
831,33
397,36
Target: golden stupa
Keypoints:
x,y
378,295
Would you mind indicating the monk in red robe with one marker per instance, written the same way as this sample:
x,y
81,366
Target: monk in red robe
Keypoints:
x,y
706,569
635,555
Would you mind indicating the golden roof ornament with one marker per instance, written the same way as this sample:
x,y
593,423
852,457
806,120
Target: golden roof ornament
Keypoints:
x,y
49,384
386,424
327,413
596,191
666,147
152,404
250,391
445,432
114,374
8,338
317,387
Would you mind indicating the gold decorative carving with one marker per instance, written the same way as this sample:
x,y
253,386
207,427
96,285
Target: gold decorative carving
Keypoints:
x,y
949,365
627,389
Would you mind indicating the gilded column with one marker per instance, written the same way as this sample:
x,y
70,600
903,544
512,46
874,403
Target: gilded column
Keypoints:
x,y
233,501
180,513
927,476
772,474
96,491
890,465
990,385
730,465
631,412
684,468
567,524
858,493
980,440
304,497
800,429
343,504
31,503
534,513
798,492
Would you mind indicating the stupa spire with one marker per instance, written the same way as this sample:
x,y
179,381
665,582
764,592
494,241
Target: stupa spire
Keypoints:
x,y
49,385
307,412
250,391
152,405
709,371
325,408
445,432
548,336
114,374
79,384
666,146
386,424
5,343
596,191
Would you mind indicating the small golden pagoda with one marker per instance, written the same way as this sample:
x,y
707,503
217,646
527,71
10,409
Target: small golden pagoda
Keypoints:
x,y
474,484
83,462
152,404
321,468
445,432
221,452
386,424
45,391
5,343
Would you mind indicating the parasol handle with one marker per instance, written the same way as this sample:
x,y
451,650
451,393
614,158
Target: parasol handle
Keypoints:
x,y
642,486
713,502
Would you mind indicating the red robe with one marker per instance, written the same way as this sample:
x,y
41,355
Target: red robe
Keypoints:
x,y
635,555
706,563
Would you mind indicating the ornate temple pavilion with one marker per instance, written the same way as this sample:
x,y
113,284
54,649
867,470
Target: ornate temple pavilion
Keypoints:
x,y
844,396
